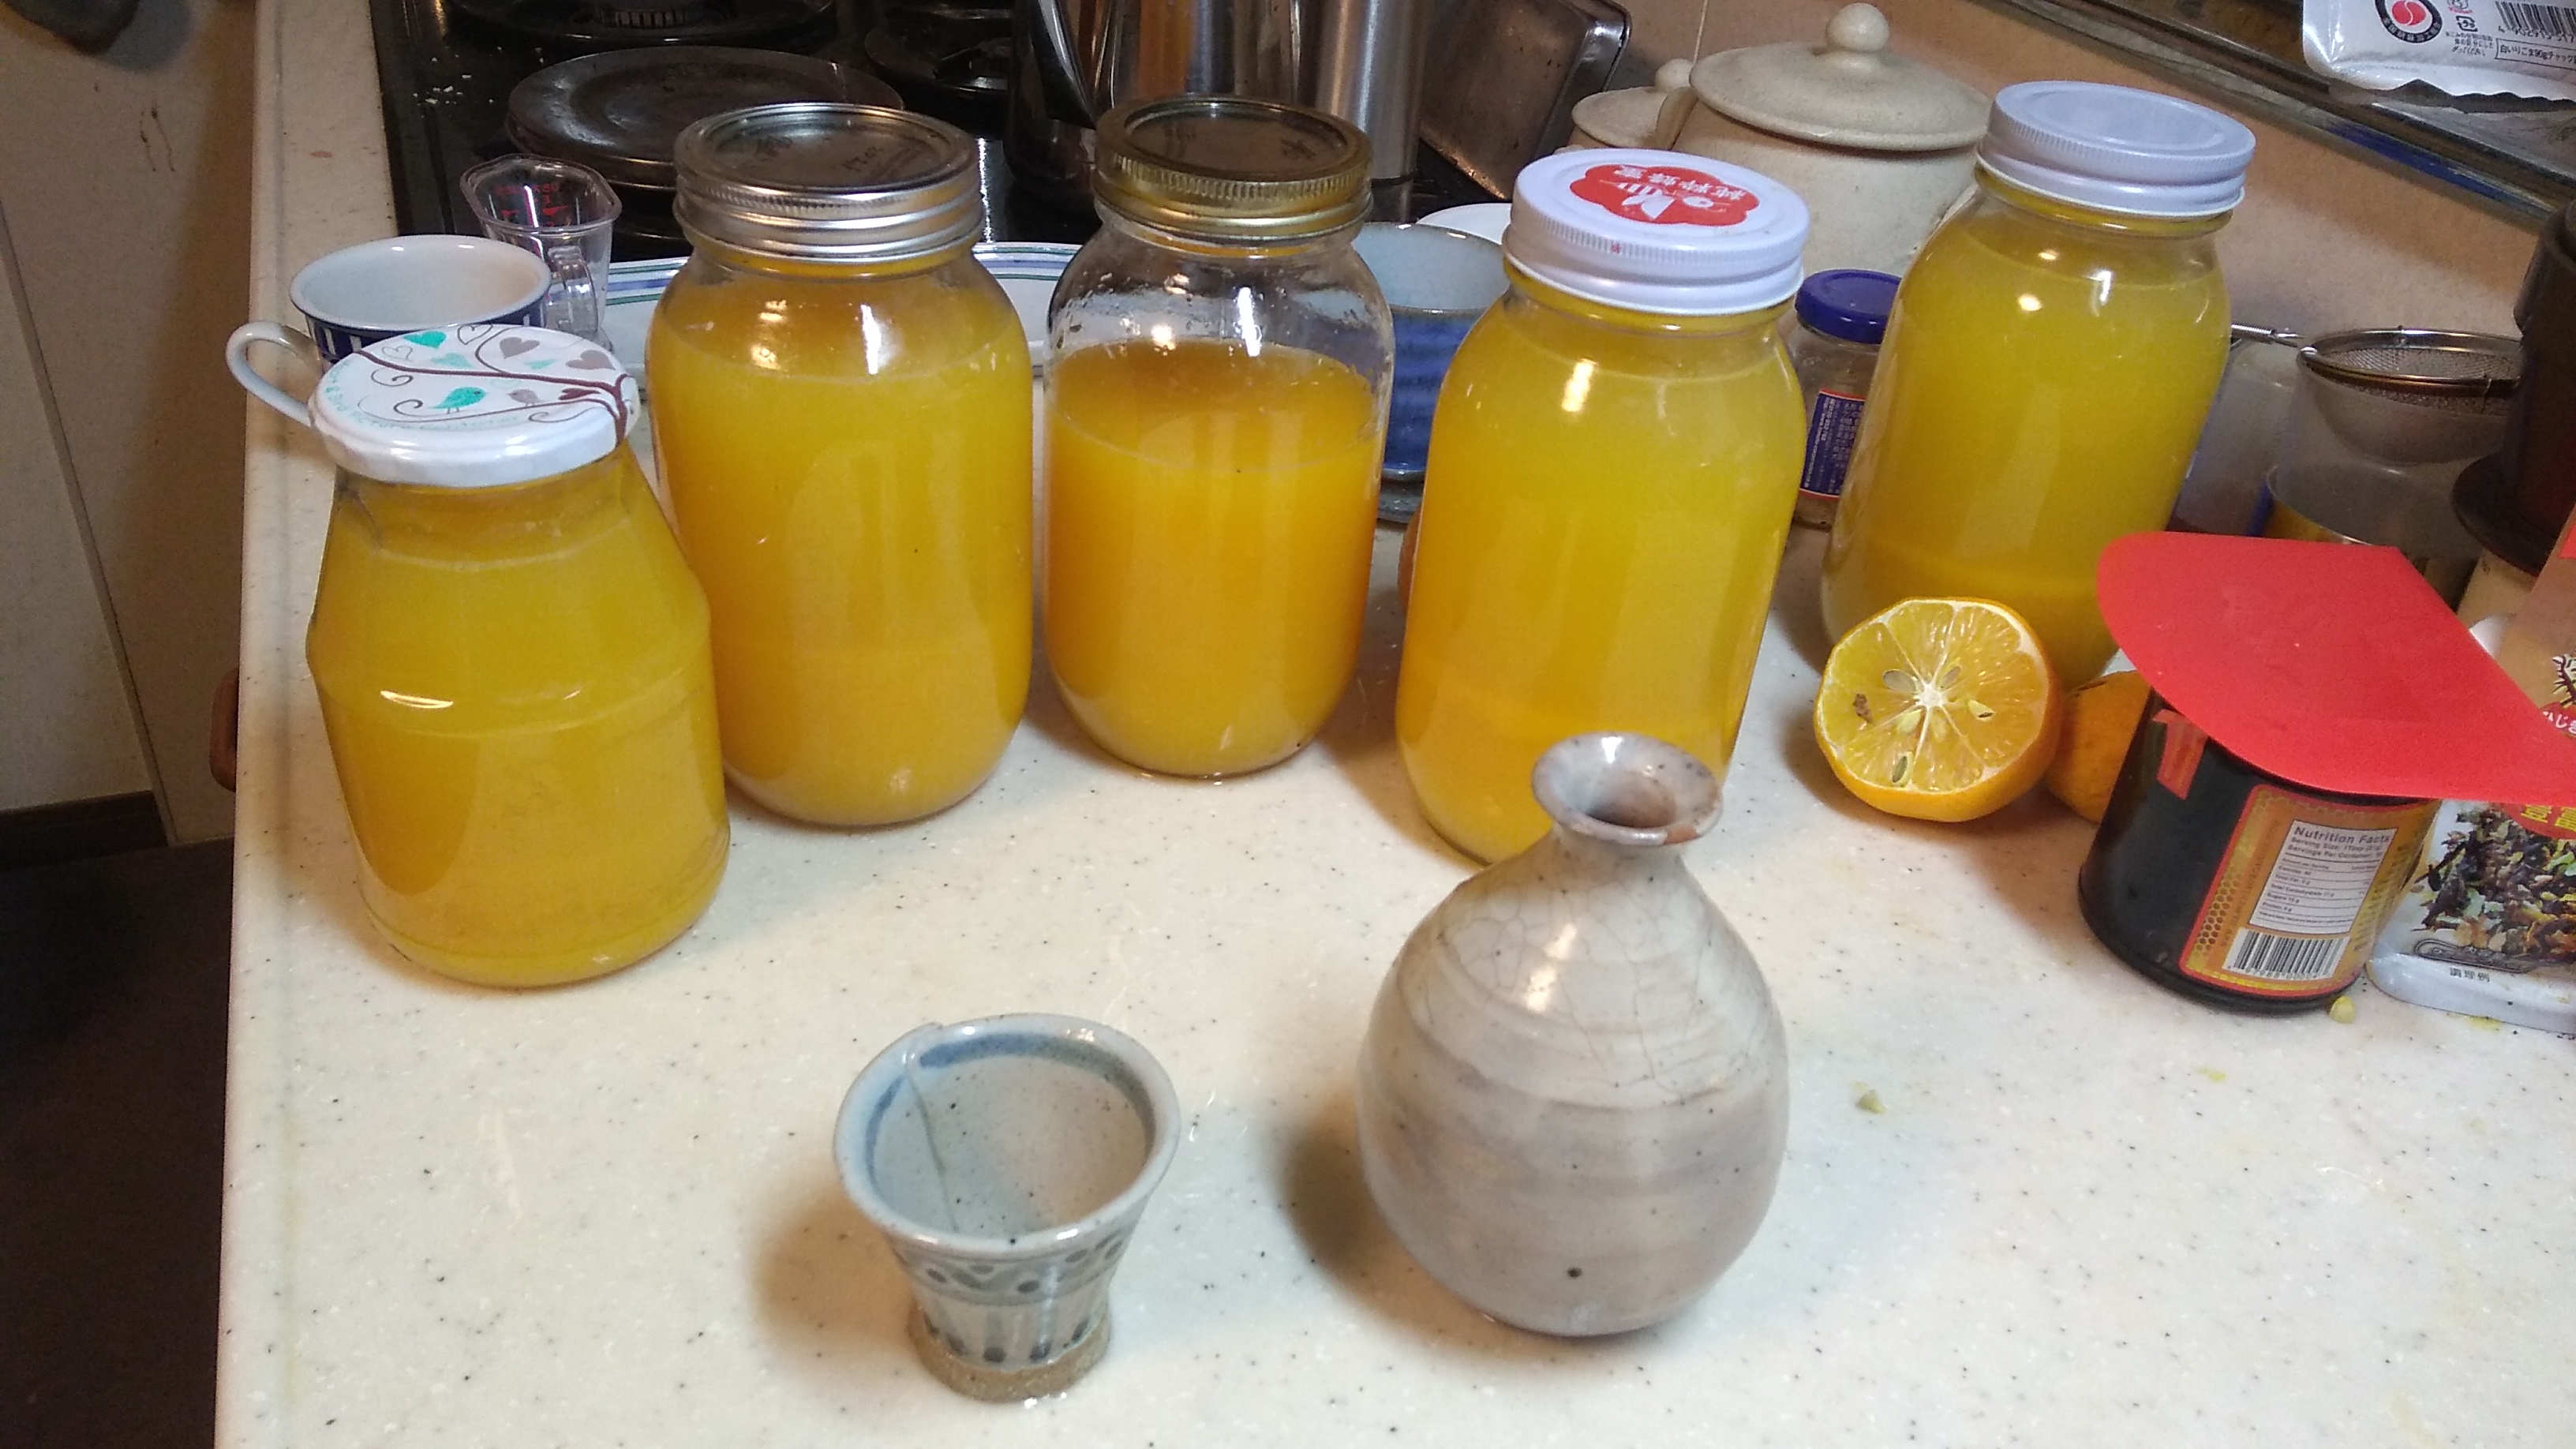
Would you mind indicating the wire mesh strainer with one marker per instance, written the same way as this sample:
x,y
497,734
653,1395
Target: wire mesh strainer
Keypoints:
x,y
2408,395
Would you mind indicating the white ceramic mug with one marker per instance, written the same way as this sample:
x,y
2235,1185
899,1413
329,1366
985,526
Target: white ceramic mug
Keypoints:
x,y
385,288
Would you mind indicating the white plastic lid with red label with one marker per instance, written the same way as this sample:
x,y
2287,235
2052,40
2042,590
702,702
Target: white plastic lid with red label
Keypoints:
x,y
1657,231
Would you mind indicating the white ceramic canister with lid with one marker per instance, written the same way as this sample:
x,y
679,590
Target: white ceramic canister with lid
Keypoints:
x,y
1878,145
512,659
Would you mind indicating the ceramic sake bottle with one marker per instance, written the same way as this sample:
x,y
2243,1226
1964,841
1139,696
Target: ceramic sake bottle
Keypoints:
x,y
1574,1093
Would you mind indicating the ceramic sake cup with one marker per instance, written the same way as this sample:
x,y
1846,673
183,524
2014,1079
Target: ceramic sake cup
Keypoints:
x,y
1008,1161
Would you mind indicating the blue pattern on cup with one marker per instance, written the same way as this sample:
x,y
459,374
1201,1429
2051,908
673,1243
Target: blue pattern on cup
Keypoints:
x,y
1424,344
1437,283
335,341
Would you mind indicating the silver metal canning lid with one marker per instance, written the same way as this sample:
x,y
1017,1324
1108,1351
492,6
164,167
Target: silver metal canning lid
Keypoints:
x,y
828,181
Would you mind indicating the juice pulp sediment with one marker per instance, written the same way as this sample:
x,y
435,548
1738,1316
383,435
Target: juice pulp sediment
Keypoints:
x,y
1603,515
2041,389
1210,513
516,687
848,459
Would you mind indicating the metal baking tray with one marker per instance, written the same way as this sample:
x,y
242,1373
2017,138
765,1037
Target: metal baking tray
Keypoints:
x,y
1504,75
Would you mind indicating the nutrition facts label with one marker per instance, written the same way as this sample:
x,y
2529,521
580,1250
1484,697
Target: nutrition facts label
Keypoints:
x,y
2320,879
2304,883
1832,427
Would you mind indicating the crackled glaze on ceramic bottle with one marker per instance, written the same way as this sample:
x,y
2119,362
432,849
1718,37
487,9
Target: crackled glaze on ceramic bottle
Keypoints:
x,y
1574,1096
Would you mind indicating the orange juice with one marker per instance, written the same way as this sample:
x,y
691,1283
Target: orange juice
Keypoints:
x,y
1210,512
2044,379
848,458
1603,513
516,686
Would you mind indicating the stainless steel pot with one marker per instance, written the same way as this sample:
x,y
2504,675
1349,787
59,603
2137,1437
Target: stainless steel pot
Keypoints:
x,y
1073,60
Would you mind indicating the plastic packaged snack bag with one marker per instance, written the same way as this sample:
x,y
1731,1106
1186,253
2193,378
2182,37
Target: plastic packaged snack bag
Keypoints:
x,y
2488,923
2466,47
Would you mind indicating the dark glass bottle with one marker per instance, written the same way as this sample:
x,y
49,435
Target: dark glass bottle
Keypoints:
x,y
2237,887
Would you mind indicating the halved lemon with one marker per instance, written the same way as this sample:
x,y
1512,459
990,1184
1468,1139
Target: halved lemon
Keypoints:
x,y
1939,709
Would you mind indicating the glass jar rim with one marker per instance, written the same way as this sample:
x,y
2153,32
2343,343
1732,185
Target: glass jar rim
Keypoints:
x,y
827,181
1232,169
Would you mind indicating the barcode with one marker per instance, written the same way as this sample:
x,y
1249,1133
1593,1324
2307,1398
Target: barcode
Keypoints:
x,y
2284,958
2544,22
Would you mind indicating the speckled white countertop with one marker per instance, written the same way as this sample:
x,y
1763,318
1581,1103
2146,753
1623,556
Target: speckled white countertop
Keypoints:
x,y
2090,1213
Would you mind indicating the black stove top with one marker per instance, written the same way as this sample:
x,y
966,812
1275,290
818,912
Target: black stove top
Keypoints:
x,y
447,68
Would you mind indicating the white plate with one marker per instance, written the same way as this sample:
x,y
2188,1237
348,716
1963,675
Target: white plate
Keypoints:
x,y
1484,218
1028,272
633,290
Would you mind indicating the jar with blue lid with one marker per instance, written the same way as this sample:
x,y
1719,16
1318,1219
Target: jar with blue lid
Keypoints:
x,y
1841,317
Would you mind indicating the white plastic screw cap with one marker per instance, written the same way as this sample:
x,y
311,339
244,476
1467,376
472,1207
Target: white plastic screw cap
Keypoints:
x,y
1657,231
2116,149
473,406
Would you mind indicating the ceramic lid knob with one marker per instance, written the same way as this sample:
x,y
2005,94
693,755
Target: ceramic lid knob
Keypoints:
x,y
1847,92
1861,28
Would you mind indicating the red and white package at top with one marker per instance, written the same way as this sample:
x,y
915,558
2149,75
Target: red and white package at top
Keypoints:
x,y
2465,47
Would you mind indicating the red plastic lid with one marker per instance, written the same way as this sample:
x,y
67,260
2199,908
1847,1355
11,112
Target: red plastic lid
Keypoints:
x,y
2331,665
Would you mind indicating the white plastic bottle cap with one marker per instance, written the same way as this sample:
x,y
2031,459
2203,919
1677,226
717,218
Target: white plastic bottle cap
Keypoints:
x,y
1657,231
2115,149
474,406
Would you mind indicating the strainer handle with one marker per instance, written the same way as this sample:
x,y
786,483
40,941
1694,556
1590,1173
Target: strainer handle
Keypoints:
x,y
2248,332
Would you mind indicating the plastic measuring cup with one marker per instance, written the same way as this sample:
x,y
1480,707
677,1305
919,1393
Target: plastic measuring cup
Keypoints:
x,y
562,212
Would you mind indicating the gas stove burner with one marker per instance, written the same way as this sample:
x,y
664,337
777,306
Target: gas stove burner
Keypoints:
x,y
654,17
957,51
621,112
622,24
982,68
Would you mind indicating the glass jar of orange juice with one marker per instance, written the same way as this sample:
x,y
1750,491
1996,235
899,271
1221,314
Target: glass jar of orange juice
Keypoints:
x,y
2048,364
1216,408
1613,465
841,409
512,659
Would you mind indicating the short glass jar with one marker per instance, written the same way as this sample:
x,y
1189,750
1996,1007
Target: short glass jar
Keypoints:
x,y
1612,467
512,660
1216,413
841,410
1840,317
2048,366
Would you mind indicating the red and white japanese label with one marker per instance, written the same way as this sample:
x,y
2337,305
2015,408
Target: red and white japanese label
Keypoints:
x,y
1665,195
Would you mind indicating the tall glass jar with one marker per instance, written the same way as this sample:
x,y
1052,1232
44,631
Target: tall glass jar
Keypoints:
x,y
841,408
2048,365
1613,464
1215,415
512,660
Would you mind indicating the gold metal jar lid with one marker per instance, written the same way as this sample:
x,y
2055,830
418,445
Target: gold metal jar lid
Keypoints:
x,y
1231,168
828,181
